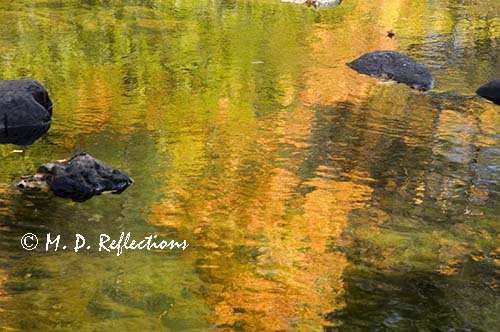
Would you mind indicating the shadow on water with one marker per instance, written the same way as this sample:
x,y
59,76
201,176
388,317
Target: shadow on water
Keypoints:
x,y
423,257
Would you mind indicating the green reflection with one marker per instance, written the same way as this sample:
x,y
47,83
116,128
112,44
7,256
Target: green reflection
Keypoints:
x,y
313,198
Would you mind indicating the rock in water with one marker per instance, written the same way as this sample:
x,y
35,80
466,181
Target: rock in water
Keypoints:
x,y
490,91
325,3
79,178
395,66
25,111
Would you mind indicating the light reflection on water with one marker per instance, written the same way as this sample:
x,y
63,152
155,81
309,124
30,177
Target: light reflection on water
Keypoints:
x,y
313,198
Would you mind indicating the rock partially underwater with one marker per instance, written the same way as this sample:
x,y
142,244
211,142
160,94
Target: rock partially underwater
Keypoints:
x,y
394,66
490,91
79,178
25,111
325,3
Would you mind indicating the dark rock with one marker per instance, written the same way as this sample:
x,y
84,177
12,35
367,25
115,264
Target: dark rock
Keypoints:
x,y
25,111
79,178
23,135
490,91
394,66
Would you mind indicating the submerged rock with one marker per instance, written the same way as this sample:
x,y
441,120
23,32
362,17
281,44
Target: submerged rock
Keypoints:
x,y
490,91
114,300
394,66
25,111
79,178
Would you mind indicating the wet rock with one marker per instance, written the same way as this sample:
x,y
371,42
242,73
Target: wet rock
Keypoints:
x,y
25,111
23,135
394,66
325,3
490,91
79,178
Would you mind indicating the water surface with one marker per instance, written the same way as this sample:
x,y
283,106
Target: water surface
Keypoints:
x,y
313,198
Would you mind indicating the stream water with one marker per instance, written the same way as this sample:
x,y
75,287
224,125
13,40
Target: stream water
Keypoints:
x,y
313,198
